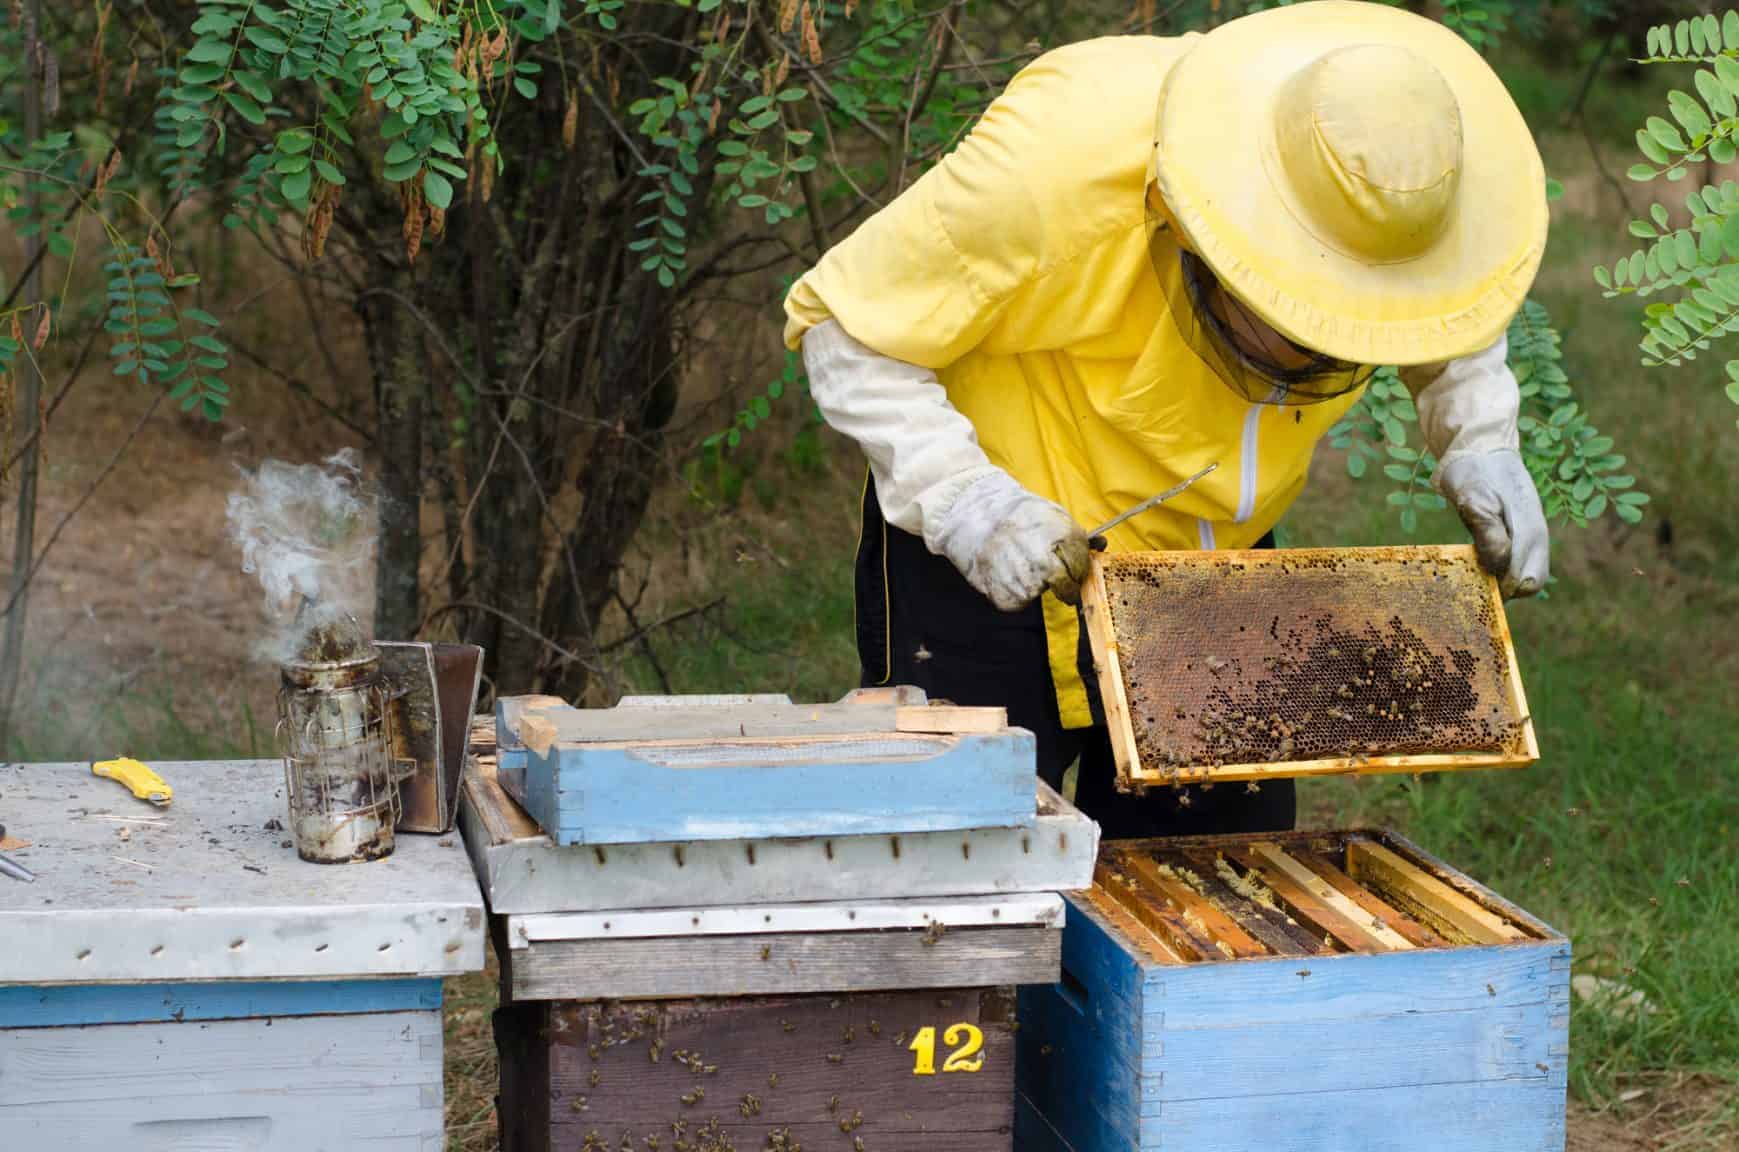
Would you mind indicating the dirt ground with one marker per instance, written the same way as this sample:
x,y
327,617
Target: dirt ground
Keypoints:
x,y
141,617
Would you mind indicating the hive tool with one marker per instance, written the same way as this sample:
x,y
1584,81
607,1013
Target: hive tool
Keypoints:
x,y
1096,537
11,867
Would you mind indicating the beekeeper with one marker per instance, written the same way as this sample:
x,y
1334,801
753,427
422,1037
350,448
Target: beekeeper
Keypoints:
x,y
1149,255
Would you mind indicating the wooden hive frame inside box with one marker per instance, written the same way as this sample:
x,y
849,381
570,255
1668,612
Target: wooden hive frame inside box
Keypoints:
x,y
1252,665
1312,992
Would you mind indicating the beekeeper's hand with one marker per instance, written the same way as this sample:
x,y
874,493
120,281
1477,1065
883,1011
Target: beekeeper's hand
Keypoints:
x,y
932,479
1012,545
1499,504
1468,410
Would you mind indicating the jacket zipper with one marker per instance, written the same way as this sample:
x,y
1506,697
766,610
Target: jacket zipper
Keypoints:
x,y
1248,469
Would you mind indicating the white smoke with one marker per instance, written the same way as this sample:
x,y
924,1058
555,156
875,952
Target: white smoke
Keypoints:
x,y
307,531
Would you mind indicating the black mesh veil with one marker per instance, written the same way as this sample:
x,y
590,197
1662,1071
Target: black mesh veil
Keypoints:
x,y
1246,353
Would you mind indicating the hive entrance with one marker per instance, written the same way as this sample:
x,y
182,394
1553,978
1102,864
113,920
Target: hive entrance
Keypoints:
x,y
1243,665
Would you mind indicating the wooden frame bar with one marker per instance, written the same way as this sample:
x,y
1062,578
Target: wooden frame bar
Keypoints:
x,y
1215,899
1433,897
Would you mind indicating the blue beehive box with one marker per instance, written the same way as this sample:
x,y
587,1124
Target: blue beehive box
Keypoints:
x,y
1309,992
664,769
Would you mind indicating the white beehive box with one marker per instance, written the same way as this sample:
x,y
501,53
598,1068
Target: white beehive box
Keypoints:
x,y
178,979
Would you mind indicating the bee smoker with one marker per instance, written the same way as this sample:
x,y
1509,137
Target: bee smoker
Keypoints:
x,y
339,772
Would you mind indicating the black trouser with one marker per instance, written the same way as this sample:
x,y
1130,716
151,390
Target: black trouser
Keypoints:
x,y
919,622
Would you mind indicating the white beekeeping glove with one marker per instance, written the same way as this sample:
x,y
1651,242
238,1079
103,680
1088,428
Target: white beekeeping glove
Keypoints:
x,y
1467,412
933,480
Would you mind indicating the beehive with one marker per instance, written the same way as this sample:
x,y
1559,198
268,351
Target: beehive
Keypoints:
x,y
890,1072
1308,992
1247,665
179,979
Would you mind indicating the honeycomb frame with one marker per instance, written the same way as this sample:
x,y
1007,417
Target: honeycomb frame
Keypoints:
x,y
1386,623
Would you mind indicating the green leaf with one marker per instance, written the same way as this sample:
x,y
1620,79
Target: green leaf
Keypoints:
x,y
294,142
185,280
1714,93
438,189
1722,150
1356,463
1665,255
1688,113
1628,513
1409,519
328,173
1595,506
244,106
265,41
765,120
421,10
755,104
295,186
791,95
200,316
209,51
1641,173
1631,498
525,87
1666,134
1727,71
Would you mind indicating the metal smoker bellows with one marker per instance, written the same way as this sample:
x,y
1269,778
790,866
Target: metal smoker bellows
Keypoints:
x,y
1244,665
338,766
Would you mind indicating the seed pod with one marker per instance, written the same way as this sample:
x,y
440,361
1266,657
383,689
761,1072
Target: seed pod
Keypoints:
x,y
571,121
811,35
787,15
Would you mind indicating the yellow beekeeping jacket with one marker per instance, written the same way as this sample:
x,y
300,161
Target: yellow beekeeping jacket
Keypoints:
x,y
1018,270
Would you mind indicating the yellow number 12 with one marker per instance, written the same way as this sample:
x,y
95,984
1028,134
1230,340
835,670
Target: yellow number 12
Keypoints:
x,y
967,1057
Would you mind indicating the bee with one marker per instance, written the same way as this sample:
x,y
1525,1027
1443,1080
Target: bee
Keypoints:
x,y
593,1078
832,1105
835,1058
766,952
787,1026
578,1104
875,1028
750,1106
1490,991
656,1050
694,1096
772,1080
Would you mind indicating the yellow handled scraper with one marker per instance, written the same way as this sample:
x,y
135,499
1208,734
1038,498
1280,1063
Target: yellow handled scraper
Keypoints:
x,y
139,779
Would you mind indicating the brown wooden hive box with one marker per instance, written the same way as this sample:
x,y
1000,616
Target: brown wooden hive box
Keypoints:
x,y
823,1073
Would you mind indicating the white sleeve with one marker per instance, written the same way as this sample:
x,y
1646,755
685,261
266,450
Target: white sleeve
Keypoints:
x,y
922,452
1467,407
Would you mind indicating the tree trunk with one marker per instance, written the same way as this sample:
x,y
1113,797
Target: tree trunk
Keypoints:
x,y
400,385
26,398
